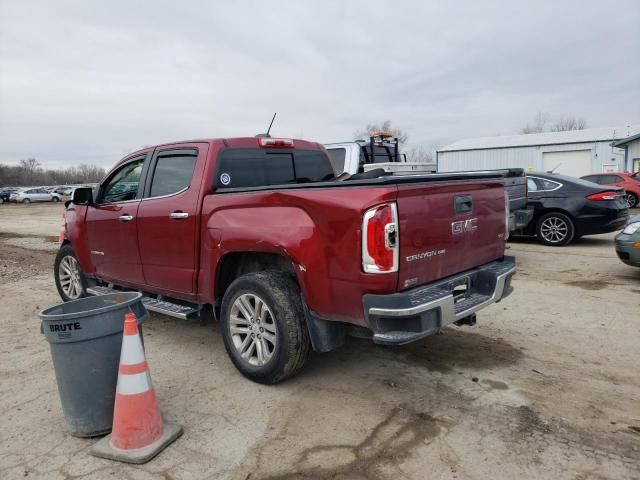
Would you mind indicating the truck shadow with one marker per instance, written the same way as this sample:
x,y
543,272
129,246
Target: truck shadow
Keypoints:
x,y
459,349
455,349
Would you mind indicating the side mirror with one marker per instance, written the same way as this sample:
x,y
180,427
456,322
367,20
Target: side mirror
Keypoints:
x,y
83,196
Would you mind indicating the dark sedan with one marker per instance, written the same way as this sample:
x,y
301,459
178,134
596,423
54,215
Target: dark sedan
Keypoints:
x,y
566,208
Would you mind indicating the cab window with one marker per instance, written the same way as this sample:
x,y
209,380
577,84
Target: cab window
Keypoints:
x,y
123,184
173,172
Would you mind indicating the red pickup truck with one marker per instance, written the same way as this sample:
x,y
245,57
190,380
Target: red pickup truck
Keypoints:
x,y
260,233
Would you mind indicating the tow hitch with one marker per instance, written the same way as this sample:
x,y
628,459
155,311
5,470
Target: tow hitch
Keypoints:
x,y
470,321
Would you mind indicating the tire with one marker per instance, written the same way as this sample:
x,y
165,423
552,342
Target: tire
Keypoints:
x,y
632,200
1,201
71,286
555,229
26,201
284,316
55,199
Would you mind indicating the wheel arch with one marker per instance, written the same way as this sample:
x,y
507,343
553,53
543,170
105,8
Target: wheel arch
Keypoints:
x,y
235,264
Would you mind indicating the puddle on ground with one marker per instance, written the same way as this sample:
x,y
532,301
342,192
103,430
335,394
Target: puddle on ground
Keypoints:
x,y
588,284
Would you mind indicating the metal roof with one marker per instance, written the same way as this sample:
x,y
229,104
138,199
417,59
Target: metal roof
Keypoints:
x,y
548,138
624,141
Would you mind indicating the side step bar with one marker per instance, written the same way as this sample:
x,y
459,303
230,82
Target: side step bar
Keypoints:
x,y
158,305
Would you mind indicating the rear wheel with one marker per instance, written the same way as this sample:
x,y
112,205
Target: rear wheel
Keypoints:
x,y
632,200
70,281
555,229
263,326
55,199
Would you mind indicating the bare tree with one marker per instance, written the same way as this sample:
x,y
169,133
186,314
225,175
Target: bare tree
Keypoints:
x,y
422,153
30,173
539,124
30,168
367,131
564,124
542,123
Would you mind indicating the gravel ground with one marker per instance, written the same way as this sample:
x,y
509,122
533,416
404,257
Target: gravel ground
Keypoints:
x,y
545,386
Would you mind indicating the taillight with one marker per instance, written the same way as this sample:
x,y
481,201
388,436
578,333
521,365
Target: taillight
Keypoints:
x,y
276,142
380,239
604,196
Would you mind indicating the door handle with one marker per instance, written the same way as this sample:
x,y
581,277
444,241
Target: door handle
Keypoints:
x,y
179,215
125,218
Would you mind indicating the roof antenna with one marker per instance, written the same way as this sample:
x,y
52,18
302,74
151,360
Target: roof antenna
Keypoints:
x,y
266,135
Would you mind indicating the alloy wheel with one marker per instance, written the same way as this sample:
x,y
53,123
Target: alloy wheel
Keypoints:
x,y
69,275
253,329
631,200
554,229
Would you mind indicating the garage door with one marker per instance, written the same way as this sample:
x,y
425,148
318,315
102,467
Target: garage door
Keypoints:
x,y
573,162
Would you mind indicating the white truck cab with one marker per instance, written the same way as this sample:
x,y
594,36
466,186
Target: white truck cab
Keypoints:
x,y
355,157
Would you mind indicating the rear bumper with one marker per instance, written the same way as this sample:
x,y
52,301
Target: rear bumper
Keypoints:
x,y
605,223
407,316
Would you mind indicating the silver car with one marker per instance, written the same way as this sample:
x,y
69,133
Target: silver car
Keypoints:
x,y
28,195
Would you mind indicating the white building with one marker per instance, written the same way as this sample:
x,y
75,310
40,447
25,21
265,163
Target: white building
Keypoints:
x,y
631,147
575,153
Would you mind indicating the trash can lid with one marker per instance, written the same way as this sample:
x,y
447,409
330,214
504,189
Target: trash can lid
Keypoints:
x,y
90,306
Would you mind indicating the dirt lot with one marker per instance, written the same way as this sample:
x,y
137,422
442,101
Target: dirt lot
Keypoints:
x,y
545,386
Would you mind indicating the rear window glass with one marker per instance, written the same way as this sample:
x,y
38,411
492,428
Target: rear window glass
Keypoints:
x,y
172,174
380,154
337,156
256,167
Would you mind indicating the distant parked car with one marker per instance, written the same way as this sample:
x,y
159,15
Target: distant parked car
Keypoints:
x,y
566,208
28,195
5,193
628,242
629,181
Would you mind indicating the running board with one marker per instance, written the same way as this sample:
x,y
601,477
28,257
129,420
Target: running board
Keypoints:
x,y
170,308
157,305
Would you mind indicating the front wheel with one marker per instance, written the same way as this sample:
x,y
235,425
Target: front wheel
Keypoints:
x,y
26,201
70,281
555,229
55,199
263,326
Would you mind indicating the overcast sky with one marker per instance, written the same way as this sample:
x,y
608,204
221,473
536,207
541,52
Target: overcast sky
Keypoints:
x,y
87,82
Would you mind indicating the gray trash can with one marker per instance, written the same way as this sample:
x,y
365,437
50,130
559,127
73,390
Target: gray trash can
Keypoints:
x,y
86,337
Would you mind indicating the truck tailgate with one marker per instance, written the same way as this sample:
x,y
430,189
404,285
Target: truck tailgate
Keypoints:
x,y
446,228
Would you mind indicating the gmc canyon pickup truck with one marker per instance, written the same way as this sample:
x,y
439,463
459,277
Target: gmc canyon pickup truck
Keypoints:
x,y
259,233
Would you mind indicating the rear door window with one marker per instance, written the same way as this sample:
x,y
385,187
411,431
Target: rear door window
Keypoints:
x,y
172,173
548,184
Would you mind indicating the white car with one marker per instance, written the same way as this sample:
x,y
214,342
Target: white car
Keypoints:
x,y
28,195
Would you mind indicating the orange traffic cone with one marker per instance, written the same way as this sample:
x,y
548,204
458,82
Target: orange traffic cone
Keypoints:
x,y
139,433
